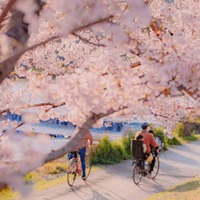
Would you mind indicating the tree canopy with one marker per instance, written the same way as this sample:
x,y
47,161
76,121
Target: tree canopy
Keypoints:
x,y
82,60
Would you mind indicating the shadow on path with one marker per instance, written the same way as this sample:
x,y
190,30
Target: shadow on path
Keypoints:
x,y
94,187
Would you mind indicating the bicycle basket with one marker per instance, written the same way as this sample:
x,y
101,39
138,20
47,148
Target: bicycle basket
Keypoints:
x,y
71,155
137,149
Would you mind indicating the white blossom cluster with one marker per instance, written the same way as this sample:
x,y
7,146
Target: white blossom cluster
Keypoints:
x,y
138,57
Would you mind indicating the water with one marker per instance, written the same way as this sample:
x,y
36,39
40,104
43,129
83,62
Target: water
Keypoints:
x,y
63,131
60,133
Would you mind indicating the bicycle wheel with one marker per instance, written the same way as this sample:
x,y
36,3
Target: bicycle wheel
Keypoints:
x,y
88,163
71,173
136,174
156,168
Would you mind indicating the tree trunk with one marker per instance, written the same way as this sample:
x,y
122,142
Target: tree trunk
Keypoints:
x,y
189,127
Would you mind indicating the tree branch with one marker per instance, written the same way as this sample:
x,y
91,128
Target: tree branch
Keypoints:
x,y
35,105
4,111
16,169
6,10
7,66
81,133
88,41
92,23
18,31
159,115
10,131
192,94
135,64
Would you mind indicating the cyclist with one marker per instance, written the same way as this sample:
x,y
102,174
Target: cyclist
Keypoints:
x,y
150,143
152,132
158,141
84,142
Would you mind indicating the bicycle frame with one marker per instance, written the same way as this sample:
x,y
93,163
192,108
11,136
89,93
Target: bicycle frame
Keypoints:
x,y
141,169
74,168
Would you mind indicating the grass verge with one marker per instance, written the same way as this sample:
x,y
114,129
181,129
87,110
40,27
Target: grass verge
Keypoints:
x,y
186,191
48,176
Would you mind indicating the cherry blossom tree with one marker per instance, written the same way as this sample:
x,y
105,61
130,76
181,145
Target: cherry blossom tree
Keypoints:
x,y
83,60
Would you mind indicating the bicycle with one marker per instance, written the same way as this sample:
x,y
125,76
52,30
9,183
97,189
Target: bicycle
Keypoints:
x,y
74,168
142,167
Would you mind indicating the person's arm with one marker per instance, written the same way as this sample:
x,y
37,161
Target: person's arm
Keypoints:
x,y
153,142
154,145
91,138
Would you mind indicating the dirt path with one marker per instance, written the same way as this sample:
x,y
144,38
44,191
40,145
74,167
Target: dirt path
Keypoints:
x,y
178,164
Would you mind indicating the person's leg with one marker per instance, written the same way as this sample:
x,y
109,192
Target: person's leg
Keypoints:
x,y
75,155
144,159
82,153
152,164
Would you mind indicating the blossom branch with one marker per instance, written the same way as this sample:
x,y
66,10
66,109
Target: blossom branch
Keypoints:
x,y
135,64
81,133
6,10
88,41
4,111
194,94
35,105
17,32
7,66
11,131
15,168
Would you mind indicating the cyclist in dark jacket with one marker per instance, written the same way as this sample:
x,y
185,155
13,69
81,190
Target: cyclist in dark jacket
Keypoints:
x,y
148,139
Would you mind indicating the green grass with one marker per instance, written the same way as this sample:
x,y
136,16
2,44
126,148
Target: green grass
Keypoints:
x,y
187,191
174,141
111,152
162,136
42,178
8,194
179,136
107,152
191,138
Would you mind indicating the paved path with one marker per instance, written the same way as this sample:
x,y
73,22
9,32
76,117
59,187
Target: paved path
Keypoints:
x,y
178,165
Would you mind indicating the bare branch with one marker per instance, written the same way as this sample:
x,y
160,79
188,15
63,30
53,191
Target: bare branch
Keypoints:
x,y
35,105
55,106
136,64
138,51
192,94
159,115
88,41
19,125
106,19
6,10
11,130
4,111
